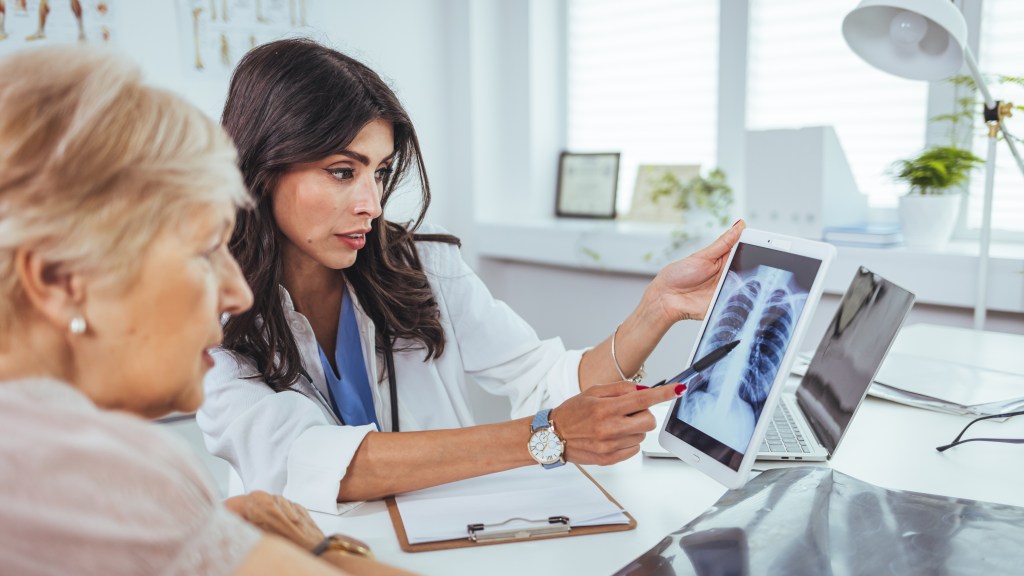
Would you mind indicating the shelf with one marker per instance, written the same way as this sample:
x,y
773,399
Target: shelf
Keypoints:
x,y
943,278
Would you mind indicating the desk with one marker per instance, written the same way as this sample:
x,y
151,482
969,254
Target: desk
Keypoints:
x,y
888,444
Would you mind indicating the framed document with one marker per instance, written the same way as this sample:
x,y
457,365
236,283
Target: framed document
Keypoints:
x,y
587,184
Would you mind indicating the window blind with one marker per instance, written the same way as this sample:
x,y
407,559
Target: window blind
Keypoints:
x,y
1001,52
802,73
642,80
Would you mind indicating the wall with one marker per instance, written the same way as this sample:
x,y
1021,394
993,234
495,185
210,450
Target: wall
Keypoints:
x,y
413,44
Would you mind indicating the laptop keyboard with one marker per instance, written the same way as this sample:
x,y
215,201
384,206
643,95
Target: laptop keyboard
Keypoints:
x,y
783,434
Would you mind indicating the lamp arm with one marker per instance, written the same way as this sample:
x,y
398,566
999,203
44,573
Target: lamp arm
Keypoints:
x,y
990,103
1013,147
979,80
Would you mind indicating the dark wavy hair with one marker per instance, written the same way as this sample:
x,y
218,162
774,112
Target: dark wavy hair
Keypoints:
x,y
295,101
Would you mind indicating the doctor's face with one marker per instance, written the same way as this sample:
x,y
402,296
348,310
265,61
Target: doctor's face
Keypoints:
x,y
148,344
325,208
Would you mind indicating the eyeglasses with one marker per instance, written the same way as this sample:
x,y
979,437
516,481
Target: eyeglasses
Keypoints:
x,y
957,441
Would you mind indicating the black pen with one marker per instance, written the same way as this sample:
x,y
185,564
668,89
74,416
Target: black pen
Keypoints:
x,y
702,364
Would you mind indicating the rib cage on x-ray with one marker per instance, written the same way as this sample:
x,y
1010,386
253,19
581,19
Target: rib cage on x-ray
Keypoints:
x,y
758,308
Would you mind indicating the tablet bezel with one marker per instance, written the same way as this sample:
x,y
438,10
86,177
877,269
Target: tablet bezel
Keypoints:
x,y
693,455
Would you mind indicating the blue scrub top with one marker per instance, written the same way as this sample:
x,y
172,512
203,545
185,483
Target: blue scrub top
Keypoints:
x,y
351,398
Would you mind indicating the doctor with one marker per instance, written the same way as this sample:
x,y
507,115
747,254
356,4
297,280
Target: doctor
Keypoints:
x,y
347,379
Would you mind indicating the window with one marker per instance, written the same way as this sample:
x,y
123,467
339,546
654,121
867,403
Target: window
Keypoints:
x,y
802,73
642,80
1001,52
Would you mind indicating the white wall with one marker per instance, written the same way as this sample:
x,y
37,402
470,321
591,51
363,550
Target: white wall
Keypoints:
x,y
413,44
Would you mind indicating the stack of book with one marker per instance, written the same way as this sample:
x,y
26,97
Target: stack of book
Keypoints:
x,y
876,236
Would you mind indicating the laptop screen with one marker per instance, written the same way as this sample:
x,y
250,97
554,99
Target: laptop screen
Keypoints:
x,y
850,354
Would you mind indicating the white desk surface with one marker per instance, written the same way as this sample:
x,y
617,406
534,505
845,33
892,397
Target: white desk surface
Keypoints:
x,y
889,445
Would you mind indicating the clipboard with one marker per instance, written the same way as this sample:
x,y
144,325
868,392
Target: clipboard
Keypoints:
x,y
484,534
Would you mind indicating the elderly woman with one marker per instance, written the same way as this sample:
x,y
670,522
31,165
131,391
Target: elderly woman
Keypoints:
x,y
116,203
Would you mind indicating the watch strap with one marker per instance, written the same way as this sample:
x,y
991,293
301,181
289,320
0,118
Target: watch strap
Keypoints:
x,y
344,545
541,420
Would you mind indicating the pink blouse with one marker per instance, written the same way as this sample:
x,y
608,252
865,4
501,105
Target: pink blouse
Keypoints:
x,y
88,491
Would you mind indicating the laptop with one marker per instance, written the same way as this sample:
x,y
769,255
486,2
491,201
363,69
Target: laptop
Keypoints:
x,y
809,425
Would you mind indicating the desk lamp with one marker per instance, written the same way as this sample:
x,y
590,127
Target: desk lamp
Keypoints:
x,y
927,40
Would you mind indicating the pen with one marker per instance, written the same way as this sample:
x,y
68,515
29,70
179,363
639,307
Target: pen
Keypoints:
x,y
703,364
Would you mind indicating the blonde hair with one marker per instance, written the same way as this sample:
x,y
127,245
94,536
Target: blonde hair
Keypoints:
x,y
93,164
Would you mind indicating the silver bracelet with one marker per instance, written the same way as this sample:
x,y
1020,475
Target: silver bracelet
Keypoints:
x,y
640,374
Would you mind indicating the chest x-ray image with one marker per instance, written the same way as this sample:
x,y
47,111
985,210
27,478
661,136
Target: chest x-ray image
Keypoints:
x,y
762,297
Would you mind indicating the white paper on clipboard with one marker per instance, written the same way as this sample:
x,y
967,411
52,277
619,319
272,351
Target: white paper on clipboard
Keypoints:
x,y
532,495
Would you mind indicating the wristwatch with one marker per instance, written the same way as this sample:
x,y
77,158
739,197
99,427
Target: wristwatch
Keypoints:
x,y
545,446
343,545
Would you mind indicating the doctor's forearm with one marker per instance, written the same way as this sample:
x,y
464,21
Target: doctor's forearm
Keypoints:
x,y
392,463
635,339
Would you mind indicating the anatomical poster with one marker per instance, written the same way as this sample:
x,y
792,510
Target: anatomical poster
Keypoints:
x,y
29,23
215,34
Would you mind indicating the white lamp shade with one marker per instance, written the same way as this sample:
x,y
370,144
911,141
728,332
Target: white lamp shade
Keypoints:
x,y
916,39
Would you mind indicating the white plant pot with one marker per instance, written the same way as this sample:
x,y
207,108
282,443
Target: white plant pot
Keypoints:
x,y
928,221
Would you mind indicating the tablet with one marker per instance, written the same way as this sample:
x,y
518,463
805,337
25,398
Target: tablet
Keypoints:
x,y
765,300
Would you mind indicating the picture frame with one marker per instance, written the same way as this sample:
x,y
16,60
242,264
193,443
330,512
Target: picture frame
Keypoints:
x,y
587,185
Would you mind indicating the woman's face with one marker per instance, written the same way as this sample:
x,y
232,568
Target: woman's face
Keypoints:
x,y
324,209
148,344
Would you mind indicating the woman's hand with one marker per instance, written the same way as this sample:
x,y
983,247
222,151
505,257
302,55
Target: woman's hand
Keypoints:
x,y
682,290
278,516
605,424
282,517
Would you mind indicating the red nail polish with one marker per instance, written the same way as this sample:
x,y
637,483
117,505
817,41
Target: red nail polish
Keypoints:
x,y
680,388
641,387
736,222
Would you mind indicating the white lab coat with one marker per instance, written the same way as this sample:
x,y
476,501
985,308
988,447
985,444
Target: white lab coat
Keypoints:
x,y
291,443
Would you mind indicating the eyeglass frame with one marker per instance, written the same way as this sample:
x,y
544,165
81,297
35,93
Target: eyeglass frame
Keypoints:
x,y
957,441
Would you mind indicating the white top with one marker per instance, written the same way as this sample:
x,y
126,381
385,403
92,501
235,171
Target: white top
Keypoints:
x,y
291,442
88,491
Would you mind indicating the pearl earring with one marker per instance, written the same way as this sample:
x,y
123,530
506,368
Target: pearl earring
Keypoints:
x,y
77,326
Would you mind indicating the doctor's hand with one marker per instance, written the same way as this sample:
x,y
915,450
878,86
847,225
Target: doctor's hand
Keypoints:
x,y
682,290
606,424
278,516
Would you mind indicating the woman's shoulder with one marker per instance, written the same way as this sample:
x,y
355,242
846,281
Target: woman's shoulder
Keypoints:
x,y
438,250
83,471
48,411
231,365
78,448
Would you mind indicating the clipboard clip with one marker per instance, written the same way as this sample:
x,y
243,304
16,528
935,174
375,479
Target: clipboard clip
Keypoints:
x,y
546,527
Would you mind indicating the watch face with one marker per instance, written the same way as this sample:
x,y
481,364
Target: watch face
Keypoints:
x,y
545,446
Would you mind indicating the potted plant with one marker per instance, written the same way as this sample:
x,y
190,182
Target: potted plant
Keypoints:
x,y
929,210
704,201
937,175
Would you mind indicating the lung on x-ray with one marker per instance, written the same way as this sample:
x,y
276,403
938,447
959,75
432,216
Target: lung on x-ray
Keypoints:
x,y
762,297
